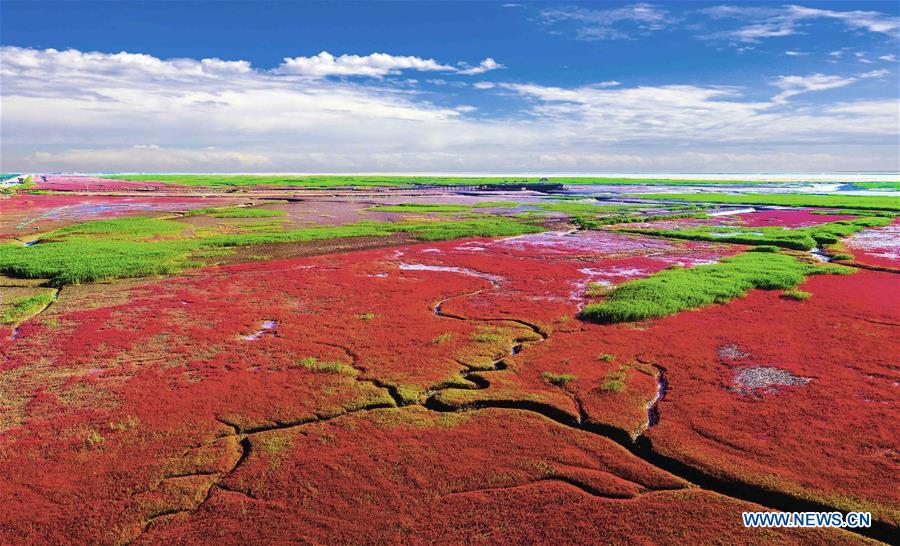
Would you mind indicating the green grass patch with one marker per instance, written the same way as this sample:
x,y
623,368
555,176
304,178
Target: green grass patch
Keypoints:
x,y
407,394
575,208
130,422
592,215
421,208
265,180
316,365
673,290
878,185
243,212
483,226
606,357
317,181
613,181
486,226
122,229
330,181
497,205
796,295
486,334
855,212
859,202
20,309
595,289
441,207
94,438
797,239
243,226
588,222
832,232
441,339
137,247
274,442
366,316
78,260
615,380
558,379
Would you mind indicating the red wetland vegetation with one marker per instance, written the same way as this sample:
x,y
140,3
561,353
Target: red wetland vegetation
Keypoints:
x,y
27,215
81,183
878,247
441,391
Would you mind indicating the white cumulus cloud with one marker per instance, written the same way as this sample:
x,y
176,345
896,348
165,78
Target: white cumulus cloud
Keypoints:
x,y
88,111
484,66
375,65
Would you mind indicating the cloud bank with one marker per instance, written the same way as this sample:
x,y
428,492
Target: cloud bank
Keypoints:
x,y
375,65
88,111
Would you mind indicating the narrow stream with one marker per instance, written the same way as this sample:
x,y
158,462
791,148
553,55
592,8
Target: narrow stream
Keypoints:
x,y
820,254
662,387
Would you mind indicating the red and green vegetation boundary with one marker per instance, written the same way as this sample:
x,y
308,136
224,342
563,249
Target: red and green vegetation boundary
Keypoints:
x,y
679,289
27,184
330,181
859,202
443,207
797,239
137,247
20,309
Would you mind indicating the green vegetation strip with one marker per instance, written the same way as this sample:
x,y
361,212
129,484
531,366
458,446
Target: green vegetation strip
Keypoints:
x,y
558,379
316,365
878,185
859,202
580,212
137,247
576,208
797,239
589,222
595,214
442,207
854,212
615,380
678,289
237,212
20,309
330,181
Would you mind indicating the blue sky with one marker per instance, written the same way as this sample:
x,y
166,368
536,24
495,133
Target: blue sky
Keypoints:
x,y
450,87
